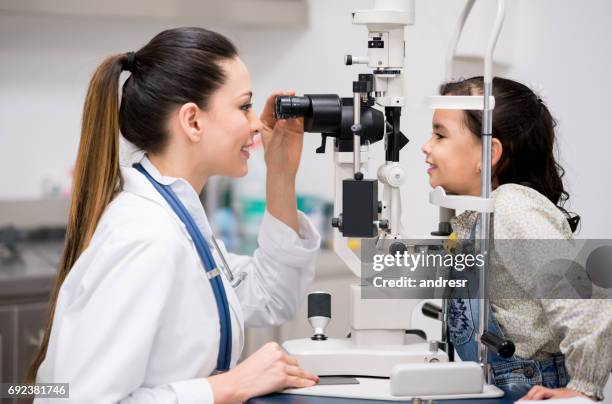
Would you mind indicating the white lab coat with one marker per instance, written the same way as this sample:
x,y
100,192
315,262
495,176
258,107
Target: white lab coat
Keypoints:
x,y
136,319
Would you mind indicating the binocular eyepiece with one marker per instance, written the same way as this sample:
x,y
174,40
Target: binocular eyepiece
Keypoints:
x,y
331,115
291,107
322,112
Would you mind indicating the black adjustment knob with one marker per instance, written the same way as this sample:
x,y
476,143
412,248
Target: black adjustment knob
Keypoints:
x,y
432,311
503,347
319,313
319,304
336,222
348,60
397,246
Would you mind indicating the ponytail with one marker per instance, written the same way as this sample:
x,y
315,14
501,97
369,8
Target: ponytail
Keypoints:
x,y
96,177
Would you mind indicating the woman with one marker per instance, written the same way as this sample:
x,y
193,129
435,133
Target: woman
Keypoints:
x,y
141,311
558,342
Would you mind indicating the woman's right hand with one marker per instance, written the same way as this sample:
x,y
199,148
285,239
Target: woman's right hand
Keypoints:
x,y
268,370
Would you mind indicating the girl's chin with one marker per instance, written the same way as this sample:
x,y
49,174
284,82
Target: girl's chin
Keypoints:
x,y
433,183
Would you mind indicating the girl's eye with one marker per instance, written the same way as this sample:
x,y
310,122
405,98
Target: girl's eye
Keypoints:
x,y
246,107
438,136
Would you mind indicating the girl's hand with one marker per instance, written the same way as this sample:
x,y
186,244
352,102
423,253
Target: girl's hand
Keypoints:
x,y
268,370
543,393
282,139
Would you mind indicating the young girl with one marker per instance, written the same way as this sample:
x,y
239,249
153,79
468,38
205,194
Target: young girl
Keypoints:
x,y
558,342
142,310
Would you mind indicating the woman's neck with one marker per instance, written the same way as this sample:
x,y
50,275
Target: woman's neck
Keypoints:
x,y
179,167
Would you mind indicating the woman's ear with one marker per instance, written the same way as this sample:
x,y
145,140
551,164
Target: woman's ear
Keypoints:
x,y
496,151
190,121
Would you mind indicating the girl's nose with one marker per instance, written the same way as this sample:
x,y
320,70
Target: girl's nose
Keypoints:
x,y
426,148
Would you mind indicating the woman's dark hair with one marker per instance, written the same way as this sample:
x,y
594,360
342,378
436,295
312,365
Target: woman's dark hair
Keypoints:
x,y
526,129
178,66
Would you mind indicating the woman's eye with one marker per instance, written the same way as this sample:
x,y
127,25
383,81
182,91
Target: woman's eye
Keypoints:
x,y
438,136
246,107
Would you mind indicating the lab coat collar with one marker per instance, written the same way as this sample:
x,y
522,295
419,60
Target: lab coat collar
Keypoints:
x,y
136,183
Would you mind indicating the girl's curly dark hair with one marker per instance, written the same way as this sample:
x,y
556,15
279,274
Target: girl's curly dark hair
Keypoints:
x,y
526,129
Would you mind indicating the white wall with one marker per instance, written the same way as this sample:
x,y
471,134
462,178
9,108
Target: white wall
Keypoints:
x,y
46,63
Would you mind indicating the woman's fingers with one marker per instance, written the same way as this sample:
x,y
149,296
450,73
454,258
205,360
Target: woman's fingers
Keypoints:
x,y
301,373
290,360
294,368
310,376
295,381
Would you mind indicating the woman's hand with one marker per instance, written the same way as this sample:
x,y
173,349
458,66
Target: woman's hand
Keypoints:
x,y
268,370
282,139
543,393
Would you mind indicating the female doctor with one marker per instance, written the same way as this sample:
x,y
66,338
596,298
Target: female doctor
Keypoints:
x,y
143,310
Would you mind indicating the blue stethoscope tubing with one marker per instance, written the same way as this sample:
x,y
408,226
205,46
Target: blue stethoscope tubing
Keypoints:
x,y
225,342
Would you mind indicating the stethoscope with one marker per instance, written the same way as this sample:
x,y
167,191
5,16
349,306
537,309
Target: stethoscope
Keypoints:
x,y
227,270
212,270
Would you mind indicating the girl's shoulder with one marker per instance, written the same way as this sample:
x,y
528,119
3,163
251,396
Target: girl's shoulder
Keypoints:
x,y
523,212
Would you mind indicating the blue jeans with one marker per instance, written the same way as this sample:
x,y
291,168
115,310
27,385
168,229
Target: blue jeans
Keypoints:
x,y
514,375
519,375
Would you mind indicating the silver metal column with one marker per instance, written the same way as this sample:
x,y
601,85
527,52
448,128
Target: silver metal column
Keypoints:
x,y
483,313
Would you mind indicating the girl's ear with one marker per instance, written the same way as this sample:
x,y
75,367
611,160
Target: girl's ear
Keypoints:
x,y
496,151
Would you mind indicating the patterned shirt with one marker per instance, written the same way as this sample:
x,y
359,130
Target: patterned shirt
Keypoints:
x,y
580,329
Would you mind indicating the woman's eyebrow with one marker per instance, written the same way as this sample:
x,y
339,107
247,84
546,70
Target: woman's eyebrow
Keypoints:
x,y
248,93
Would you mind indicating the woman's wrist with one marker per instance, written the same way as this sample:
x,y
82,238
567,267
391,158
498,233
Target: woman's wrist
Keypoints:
x,y
281,199
226,390
281,175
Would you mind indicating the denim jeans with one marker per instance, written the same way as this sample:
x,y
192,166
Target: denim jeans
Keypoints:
x,y
514,375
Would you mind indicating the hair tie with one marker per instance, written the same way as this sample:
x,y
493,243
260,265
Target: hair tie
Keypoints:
x,y
129,63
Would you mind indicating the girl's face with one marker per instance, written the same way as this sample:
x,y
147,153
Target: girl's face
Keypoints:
x,y
229,123
453,154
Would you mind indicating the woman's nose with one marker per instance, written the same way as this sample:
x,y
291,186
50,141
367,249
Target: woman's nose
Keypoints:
x,y
256,123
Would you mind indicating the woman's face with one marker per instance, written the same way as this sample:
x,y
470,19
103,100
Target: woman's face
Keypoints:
x,y
229,123
453,154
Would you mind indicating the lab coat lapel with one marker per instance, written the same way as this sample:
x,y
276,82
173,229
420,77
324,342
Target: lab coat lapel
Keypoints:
x,y
136,183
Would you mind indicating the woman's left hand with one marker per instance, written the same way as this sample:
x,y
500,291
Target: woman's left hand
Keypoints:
x,y
282,139
543,393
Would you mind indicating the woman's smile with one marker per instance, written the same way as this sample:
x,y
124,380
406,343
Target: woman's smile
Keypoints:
x,y
244,150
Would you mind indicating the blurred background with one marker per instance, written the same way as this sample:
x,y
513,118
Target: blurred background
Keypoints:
x,y
48,51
